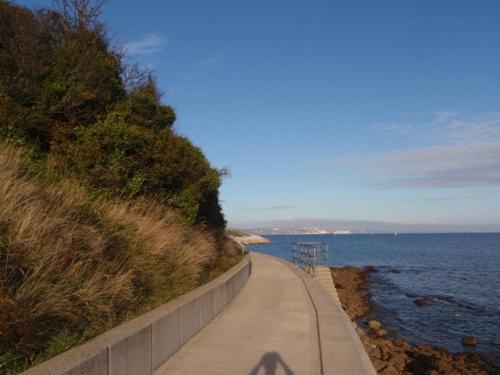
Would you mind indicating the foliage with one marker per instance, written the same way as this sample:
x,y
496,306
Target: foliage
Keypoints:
x,y
94,181
142,106
131,160
66,90
56,72
73,266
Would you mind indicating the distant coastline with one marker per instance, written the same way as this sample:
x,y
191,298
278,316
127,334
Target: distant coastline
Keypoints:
x,y
337,226
301,232
298,231
244,238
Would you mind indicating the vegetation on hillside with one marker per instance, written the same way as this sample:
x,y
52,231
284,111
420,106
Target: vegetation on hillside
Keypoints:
x,y
105,211
67,90
73,266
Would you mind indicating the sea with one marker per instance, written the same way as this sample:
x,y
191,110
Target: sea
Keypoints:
x,y
457,275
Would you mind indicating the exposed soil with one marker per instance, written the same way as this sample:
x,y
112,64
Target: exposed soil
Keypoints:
x,y
394,356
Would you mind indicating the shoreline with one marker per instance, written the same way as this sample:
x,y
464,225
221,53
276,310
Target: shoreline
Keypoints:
x,y
392,355
247,239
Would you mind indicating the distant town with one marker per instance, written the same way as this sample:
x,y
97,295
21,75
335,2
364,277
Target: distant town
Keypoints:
x,y
304,230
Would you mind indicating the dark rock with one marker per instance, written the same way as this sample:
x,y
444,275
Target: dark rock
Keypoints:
x,y
420,302
444,367
378,364
469,340
401,345
389,370
394,271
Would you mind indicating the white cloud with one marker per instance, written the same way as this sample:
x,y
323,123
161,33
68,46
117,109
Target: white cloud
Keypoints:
x,y
463,150
446,159
146,45
447,127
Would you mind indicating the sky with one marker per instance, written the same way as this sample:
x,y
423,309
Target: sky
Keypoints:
x,y
348,110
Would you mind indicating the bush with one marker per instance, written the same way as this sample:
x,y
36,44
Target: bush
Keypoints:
x,y
142,107
56,71
131,161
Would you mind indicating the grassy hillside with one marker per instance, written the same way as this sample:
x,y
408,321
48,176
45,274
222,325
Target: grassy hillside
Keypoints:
x,y
74,266
105,211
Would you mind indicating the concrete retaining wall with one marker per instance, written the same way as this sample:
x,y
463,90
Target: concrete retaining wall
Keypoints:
x,y
141,345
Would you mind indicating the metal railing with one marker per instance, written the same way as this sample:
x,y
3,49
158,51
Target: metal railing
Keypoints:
x,y
310,255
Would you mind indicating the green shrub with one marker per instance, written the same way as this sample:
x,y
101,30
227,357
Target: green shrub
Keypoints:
x,y
56,72
142,107
131,160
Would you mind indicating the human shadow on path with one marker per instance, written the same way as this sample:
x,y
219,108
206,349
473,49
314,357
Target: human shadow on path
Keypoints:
x,y
269,362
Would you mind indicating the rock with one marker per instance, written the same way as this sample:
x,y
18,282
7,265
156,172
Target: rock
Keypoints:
x,y
382,333
385,351
374,325
425,350
394,271
402,344
378,364
444,367
399,361
248,239
469,340
420,302
375,353
389,370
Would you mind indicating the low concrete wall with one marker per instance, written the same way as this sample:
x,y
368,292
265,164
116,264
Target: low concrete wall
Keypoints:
x,y
141,345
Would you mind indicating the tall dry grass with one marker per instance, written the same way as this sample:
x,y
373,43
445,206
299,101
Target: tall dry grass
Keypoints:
x,y
71,266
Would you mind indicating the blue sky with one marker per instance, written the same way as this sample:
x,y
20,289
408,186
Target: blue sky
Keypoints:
x,y
360,110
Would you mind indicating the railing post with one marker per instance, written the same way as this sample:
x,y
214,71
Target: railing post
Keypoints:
x,y
310,255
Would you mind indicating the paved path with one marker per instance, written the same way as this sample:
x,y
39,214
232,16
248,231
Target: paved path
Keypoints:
x,y
269,328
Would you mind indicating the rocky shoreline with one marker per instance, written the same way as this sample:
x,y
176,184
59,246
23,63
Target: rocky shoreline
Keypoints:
x,y
249,239
392,355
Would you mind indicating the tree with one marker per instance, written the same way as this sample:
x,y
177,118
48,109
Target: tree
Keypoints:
x,y
57,70
65,88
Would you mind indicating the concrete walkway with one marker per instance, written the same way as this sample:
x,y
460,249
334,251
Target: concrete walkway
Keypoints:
x,y
271,328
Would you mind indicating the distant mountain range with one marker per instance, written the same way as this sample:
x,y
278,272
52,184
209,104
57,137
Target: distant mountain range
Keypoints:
x,y
304,230
326,226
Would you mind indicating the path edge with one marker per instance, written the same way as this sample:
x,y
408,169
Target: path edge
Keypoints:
x,y
341,349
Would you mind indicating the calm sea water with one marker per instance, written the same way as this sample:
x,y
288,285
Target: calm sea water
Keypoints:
x,y
457,274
